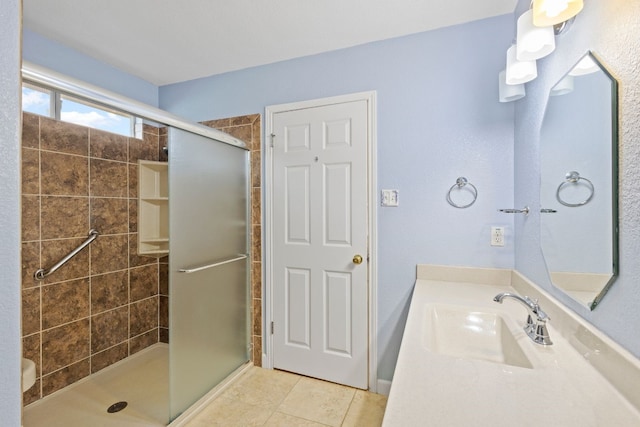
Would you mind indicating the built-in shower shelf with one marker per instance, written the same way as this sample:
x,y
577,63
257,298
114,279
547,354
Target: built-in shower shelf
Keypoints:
x,y
153,208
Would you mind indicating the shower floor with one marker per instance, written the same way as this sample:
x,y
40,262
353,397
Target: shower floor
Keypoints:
x,y
141,380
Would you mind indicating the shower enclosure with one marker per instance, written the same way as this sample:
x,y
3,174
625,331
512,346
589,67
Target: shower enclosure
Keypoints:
x,y
208,265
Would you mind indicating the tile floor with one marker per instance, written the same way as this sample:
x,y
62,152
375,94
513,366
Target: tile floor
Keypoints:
x,y
260,397
264,397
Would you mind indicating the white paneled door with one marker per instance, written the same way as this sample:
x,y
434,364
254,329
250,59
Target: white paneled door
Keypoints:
x,y
319,261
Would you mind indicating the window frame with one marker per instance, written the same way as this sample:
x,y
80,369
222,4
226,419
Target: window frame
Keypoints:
x,y
55,108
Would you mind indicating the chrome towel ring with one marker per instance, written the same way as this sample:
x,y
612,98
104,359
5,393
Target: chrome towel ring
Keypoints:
x,y
461,183
573,177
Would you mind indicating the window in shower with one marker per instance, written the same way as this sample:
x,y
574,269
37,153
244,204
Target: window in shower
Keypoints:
x,y
37,100
50,103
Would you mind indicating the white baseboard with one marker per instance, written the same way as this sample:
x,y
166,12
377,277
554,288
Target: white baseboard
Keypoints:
x,y
384,387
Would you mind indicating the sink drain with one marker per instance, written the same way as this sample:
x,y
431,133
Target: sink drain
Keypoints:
x,y
117,407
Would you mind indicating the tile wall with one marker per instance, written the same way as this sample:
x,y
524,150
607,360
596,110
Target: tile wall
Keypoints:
x,y
248,129
103,305
107,302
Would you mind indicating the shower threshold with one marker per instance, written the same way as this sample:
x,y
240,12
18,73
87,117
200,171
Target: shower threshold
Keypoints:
x,y
140,380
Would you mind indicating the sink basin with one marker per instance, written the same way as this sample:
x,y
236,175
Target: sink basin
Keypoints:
x,y
466,333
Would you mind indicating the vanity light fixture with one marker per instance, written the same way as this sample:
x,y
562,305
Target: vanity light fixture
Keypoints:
x,y
584,67
551,12
535,39
533,42
563,87
508,93
518,72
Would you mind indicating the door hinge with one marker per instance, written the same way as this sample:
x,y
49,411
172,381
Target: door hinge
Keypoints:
x,y
273,136
271,328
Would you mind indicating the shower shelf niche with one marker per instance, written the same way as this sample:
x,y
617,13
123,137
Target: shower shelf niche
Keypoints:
x,y
153,208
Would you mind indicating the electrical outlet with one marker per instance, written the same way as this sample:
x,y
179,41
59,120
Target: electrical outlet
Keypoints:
x,y
389,198
497,236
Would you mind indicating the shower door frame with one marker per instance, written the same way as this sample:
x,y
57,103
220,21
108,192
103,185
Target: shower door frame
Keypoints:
x,y
180,272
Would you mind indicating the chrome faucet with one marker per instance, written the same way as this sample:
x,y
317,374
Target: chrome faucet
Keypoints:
x,y
536,331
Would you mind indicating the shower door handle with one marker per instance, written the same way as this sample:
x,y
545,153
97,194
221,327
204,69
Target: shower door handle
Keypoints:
x,y
215,264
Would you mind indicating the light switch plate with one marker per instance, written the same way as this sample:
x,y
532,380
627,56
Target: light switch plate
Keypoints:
x,y
389,198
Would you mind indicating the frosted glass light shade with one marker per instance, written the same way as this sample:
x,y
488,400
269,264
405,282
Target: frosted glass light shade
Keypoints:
x,y
584,67
519,71
508,93
563,87
551,12
533,42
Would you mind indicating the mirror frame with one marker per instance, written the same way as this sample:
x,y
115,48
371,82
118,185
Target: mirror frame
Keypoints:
x,y
614,142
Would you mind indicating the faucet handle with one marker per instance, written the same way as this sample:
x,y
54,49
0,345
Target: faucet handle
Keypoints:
x,y
535,308
542,315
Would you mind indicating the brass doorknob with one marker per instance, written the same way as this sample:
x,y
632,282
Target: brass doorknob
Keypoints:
x,y
357,259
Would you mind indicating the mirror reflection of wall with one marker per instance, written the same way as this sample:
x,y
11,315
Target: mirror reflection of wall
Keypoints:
x,y
578,183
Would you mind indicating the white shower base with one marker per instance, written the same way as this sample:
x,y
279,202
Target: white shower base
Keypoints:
x,y
141,380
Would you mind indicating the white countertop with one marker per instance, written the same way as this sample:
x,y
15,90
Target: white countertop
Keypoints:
x,y
433,389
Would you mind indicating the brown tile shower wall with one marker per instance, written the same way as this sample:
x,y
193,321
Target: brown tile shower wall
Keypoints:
x,y
107,302
248,129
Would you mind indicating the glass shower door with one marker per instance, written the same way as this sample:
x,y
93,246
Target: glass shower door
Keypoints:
x,y
208,265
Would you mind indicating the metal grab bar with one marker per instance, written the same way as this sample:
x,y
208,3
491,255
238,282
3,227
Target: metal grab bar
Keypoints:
x,y
42,273
215,264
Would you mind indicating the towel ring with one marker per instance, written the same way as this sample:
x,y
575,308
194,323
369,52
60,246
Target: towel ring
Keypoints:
x,y
462,182
573,177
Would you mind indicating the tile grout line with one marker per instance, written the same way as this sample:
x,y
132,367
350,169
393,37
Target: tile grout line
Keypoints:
x,y
349,407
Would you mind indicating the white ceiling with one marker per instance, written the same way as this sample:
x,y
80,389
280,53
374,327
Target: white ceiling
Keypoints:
x,y
169,41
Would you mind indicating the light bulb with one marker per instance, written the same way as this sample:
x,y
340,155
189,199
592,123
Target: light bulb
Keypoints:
x,y
554,8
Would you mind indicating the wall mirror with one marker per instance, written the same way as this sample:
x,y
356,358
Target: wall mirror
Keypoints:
x,y
579,182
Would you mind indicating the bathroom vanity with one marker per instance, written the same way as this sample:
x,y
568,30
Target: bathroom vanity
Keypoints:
x,y
466,360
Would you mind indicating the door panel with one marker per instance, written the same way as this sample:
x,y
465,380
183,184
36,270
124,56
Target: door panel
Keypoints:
x,y
319,223
337,204
298,309
208,318
297,201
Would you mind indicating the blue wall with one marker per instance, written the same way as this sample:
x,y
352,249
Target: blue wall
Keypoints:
x,y
10,190
611,29
50,54
438,119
